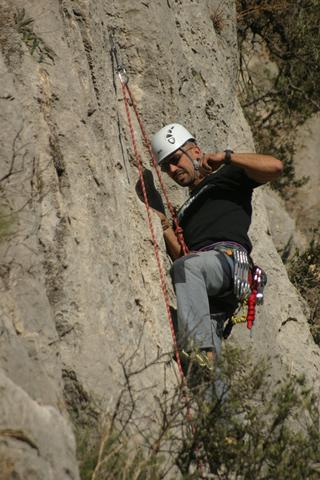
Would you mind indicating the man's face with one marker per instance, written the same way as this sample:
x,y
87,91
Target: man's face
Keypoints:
x,y
179,165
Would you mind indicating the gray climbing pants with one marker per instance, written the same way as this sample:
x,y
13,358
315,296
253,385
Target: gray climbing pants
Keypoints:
x,y
195,278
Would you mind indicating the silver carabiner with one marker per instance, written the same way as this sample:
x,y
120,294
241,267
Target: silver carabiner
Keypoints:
x,y
122,72
119,66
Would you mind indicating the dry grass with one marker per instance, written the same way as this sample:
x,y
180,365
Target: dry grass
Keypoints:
x,y
217,18
245,431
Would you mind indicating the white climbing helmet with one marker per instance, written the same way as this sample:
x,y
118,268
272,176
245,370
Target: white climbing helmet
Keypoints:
x,y
169,139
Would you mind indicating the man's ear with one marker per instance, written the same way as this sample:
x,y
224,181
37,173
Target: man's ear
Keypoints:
x,y
197,150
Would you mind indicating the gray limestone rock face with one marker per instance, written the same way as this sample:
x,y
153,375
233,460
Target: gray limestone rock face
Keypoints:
x,y
286,236
306,205
80,291
35,440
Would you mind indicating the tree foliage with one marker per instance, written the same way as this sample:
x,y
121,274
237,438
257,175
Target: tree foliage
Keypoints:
x,y
304,273
288,35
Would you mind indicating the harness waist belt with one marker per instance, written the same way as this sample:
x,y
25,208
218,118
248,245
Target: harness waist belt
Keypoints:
x,y
242,265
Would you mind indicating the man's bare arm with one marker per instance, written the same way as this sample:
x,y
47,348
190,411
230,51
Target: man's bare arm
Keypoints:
x,y
172,242
261,168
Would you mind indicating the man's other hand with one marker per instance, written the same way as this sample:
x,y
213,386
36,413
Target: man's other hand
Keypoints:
x,y
164,220
209,162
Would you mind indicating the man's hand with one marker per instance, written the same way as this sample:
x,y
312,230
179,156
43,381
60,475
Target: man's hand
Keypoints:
x,y
164,221
209,162
173,246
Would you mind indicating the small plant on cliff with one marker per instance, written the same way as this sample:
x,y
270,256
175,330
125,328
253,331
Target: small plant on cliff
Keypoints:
x,y
246,431
5,224
304,273
36,45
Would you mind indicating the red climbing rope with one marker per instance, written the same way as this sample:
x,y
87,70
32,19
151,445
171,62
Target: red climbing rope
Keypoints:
x,y
178,229
150,224
127,95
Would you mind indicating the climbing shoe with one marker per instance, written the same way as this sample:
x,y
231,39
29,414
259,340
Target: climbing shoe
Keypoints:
x,y
198,366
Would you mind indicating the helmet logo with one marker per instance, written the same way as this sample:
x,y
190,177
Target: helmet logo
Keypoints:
x,y
170,137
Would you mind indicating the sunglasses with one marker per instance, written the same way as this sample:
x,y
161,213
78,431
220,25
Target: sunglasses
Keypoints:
x,y
173,159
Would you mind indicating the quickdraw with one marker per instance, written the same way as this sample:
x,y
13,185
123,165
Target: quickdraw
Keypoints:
x,y
257,280
249,282
256,297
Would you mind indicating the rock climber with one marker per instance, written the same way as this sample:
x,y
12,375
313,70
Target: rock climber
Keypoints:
x,y
215,220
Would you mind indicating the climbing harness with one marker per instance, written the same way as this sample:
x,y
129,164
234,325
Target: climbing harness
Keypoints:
x,y
241,287
249,282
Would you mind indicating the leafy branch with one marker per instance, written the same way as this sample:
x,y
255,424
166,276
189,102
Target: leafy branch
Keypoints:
x,y
277,101
35,44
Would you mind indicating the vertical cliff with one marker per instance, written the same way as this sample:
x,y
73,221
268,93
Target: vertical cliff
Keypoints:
x,y
305,206
79,282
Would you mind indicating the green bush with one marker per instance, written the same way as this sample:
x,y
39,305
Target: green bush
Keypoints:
x,y
304,273
248,431
288,33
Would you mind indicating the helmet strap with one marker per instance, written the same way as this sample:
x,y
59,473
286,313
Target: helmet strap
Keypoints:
x,y
194,162
196,168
